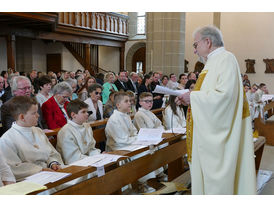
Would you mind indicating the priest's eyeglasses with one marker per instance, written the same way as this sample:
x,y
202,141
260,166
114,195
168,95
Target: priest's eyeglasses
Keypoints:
x,y
195,44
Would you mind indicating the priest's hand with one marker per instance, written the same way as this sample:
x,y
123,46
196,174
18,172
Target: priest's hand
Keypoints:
x,y
183,99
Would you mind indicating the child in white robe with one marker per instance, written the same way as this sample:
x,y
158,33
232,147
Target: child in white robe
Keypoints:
x,y
25,147
121,132
144,118
75,140
6,176
173,116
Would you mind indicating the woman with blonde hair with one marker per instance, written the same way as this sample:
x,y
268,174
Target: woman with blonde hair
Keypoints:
x,y
108,86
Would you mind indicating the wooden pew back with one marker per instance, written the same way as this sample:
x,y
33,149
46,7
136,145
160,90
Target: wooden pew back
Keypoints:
x,y
98,128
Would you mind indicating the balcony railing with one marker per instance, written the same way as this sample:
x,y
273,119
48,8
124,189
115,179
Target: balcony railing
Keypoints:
x,y
96,21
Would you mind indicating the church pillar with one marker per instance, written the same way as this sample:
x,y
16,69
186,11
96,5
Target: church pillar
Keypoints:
x,y
217,19
165,42
11,51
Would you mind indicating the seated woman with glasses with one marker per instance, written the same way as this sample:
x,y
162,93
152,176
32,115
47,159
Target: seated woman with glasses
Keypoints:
x,y
54,110
95,105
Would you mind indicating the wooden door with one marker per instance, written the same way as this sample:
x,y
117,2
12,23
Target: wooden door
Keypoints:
x,y
54,62
139,56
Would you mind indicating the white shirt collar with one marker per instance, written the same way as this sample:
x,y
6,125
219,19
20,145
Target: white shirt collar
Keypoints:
x,y
216,51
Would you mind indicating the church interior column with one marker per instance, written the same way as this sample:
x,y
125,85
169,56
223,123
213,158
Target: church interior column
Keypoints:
x,y
165,42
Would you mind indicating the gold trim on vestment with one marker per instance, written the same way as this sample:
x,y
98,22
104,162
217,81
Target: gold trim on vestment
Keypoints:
x,y
246,112
189,119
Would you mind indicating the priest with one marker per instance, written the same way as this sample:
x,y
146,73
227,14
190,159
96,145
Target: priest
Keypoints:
x,y
219,133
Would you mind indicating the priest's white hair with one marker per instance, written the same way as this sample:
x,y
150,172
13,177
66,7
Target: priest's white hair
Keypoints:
x,y
211,32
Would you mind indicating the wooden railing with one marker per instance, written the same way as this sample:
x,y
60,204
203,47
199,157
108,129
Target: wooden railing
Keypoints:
x,y
96,21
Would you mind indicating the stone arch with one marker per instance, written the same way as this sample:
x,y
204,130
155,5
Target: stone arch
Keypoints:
x,y
131,52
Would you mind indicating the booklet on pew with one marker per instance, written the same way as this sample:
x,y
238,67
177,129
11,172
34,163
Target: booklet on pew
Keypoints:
x,y
45,177
97,160
165,90
148,136
267,97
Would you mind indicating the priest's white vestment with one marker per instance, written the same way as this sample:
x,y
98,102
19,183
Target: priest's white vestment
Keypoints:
x,y
75,142
27,150
222,153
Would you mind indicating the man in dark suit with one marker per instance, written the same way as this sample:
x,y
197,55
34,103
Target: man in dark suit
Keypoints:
x,y
157,98
121,82
132,83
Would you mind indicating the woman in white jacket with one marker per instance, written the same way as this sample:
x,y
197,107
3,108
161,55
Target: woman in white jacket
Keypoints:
x,y
94,102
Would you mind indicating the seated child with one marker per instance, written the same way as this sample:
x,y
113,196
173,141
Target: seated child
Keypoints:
x,y
6,176
25,147
109,106
173,116
75,140
132,102
144,118
120,131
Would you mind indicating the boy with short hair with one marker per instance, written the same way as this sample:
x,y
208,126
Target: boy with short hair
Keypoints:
x,y
144,118
75,140
25,147
119,130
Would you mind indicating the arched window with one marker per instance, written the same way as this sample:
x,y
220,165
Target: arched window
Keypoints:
x,y
141,22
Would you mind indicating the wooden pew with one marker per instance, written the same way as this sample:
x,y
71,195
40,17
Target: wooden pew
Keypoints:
x,y
119,176
266,128
98,129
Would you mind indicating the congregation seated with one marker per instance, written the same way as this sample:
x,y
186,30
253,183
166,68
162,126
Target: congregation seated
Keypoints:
x,y
182,81
132,99
121,82
20,86
94,103
164,81
44,94
73,84
83,91
173,115
109,107
75,140
54,110
108,86
25,147
172,83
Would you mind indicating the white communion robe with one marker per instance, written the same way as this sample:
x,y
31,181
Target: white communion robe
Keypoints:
x,y
5,171
171,120
146,119
27,150
222,148
75,142
120,131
